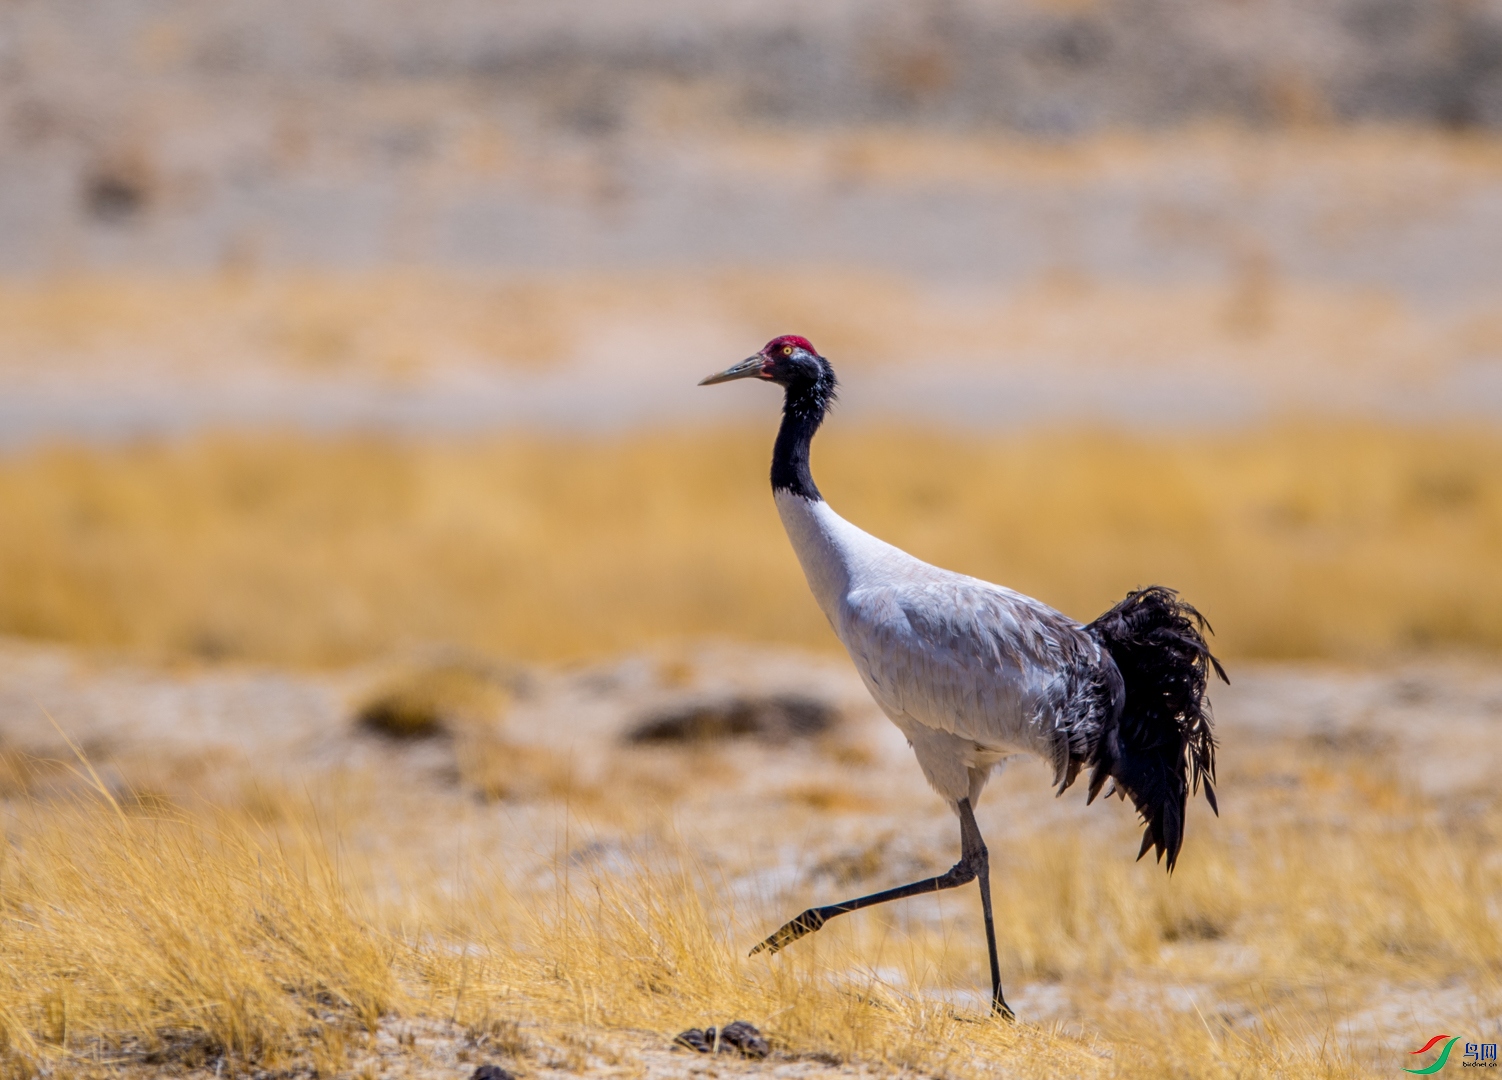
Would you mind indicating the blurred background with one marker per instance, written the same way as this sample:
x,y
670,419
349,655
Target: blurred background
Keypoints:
x,y
333,329
363,527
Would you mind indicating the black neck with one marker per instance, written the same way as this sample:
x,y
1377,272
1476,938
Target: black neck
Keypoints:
x,y
803,411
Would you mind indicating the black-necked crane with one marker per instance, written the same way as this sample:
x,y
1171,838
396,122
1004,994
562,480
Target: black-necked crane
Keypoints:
x,y
973,673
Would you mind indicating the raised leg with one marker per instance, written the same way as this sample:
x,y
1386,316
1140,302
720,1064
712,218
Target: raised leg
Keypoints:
x,y
974,863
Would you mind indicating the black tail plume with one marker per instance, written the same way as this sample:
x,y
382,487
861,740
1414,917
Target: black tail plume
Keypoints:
x,y
1162,747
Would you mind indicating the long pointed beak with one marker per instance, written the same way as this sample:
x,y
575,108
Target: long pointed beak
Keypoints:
x,y
748,368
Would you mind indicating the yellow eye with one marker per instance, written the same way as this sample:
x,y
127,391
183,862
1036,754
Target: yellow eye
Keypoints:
x,y
787,350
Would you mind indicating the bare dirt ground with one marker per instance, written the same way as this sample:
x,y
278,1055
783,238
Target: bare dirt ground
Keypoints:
x,y
555,784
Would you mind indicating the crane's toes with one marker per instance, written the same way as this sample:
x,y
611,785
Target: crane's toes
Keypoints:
x,y
790,932
1002,1009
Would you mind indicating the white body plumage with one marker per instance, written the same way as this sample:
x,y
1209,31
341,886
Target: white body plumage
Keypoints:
x,y
970,672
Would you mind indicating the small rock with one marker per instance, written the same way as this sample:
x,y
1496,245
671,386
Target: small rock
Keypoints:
x,y
777,718
433,702
693,1039
739,1036
744,1038
491,1072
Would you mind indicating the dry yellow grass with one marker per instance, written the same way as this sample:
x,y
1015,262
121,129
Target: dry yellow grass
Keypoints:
x,y
398,326
384,323
1297,541
206,938
176,941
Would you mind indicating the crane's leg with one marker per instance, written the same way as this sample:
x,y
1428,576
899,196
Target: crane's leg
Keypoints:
x,y
970,841
974,863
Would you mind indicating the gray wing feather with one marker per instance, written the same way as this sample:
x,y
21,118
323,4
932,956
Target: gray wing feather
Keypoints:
x,y
981,662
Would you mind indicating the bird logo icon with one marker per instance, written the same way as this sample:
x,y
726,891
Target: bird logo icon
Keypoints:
x,y
1439,1062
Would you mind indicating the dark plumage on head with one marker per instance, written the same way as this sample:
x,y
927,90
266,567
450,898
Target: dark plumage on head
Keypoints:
x,y
809,384
793,362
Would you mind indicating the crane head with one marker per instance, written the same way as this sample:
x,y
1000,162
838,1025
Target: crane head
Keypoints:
x,y
788,360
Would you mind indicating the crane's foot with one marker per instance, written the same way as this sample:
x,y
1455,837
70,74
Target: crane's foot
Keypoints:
x,y
1003,1010
807,923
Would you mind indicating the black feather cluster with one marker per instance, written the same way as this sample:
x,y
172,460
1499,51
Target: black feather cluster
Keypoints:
x,y
1162,747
